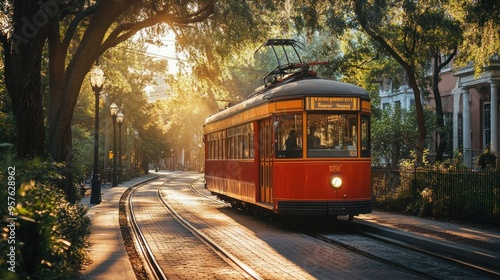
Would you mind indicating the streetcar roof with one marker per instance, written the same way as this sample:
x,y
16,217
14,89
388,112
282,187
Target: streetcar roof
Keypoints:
x,y
294,89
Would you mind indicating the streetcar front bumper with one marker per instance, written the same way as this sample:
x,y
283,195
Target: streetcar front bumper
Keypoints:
x,y
324,208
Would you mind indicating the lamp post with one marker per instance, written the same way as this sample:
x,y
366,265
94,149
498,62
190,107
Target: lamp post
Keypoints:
x,y
113,110
119,119
96,81
173,159
136,154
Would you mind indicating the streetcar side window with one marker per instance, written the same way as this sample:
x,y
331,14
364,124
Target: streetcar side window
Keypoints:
x,y
332,135
215,143
239,141
230,141
365,136
288,129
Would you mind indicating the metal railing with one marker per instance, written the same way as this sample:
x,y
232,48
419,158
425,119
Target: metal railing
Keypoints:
x,y
460,195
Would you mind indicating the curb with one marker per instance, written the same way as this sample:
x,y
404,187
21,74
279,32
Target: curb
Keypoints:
x,y
474,256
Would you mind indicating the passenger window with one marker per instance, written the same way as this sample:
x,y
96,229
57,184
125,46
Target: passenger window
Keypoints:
x,y
332,135
288,130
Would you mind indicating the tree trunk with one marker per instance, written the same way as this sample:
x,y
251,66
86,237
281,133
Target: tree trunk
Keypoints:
x,y
65,85
443,136
22,56
420,115
24,90
407,64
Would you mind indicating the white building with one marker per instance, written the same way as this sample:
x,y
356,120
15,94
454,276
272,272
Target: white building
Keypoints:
x,y
476,100
473,102
160,90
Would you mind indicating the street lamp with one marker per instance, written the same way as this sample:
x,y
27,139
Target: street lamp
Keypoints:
x,y
113,110
173,159
136,154
96,81
119,119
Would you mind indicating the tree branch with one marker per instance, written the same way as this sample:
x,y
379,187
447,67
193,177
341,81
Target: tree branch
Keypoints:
x,y
360,16
5,43
75,22
448,60
127,30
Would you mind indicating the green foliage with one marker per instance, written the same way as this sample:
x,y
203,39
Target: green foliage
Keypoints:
x,y
186,111
487,159
126,79
7,127
50,233
394,134
446,190
481,32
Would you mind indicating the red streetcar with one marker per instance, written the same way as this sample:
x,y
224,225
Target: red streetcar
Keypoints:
x,y
300,145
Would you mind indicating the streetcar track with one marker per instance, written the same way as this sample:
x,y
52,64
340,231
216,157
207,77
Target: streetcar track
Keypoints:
x,y
448,258
141,247
236,263
373,257
151,267
347,247
136,260
226,255
393,264
403,245
204,195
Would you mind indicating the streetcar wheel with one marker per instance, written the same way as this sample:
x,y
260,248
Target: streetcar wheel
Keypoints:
x,y
347,218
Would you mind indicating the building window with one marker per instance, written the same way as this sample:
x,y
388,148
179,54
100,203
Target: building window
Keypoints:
x,y
446,68
486,124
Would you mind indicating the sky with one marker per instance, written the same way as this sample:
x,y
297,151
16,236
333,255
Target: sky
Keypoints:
x,y
167,52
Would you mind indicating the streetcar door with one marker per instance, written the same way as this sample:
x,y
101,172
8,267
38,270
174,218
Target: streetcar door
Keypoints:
x,y
266,154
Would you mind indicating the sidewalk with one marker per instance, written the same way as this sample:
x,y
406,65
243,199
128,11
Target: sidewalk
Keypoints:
x,y
109,259
431,228
472,244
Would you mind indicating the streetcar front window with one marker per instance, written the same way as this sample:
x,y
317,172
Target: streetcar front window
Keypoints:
x,y
332,135
288,130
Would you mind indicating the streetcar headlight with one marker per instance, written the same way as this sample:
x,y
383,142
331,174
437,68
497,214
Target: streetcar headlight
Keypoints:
x,y
336,181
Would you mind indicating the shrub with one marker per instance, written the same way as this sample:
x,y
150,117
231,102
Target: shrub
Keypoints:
x,y
447,191
50,233
487,159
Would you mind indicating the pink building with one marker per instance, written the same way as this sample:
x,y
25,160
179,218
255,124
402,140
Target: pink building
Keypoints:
x,y
475,103
471,101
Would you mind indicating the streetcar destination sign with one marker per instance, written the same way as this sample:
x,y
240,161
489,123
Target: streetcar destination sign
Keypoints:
x,y
332,103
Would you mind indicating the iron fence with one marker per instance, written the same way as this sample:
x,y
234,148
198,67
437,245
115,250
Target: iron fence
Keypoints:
x,y
458,195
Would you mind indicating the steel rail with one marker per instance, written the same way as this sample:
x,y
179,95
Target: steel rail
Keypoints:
x,y
339,244
456,260
152,267
398,266
207,240
191,186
